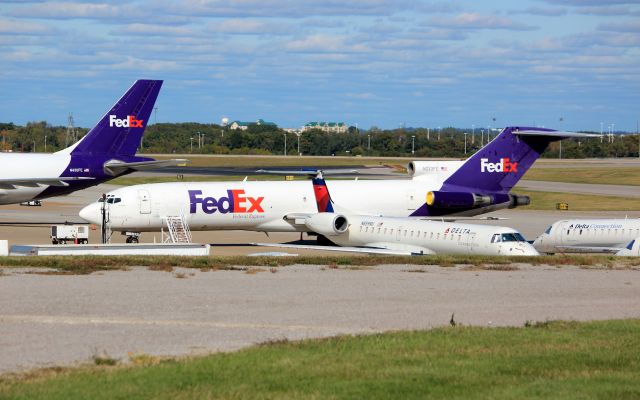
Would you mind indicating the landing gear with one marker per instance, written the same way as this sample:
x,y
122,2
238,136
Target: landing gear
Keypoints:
x,y
132,237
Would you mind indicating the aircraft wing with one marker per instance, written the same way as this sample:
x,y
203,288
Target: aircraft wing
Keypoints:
x,y
367,250
587,249
453,218
307,172
39,182
116,167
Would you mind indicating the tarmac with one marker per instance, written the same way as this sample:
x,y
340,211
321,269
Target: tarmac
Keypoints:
x,y
51,320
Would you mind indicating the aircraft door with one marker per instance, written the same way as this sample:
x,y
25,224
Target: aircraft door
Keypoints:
x,y
399,234
145,201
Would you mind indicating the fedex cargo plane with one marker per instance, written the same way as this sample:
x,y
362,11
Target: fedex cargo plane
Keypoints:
x,y
107,151
478,185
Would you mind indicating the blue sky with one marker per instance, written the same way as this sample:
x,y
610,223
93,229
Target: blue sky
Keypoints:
x,y
367,62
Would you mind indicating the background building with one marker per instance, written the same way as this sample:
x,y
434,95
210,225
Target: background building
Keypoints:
x,y
333,127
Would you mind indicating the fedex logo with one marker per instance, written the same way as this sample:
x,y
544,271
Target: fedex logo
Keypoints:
x,y
504,165
234,202
130,122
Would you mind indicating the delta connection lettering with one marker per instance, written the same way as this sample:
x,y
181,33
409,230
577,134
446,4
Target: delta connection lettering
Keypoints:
x,y
504,165
130,122
234,202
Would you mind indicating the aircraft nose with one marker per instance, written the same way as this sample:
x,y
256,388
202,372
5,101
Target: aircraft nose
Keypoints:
x,y
91,213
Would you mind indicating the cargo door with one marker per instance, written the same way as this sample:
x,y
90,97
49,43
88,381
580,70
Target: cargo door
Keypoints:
x,y
145,201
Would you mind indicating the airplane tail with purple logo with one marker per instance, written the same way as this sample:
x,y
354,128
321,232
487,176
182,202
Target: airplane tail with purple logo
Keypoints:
x,y
120,130
486,178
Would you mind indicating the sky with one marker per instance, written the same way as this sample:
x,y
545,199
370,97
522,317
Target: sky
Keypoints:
x,y
564,64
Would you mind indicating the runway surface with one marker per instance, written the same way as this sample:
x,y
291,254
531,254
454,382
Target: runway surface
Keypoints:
x,y
48,320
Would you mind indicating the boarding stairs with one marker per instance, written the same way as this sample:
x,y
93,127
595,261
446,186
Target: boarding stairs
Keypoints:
x,y
178,230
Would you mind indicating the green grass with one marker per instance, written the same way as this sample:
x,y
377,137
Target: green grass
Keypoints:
x,y
596,175
90,264
560,360
252,161
138,180
579,202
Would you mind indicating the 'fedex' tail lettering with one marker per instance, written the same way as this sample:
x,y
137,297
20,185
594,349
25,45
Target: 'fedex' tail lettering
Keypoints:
x,y
504,165
130,122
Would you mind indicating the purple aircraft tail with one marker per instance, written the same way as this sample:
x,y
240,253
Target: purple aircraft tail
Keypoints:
x,y
486,178
499,165
119,132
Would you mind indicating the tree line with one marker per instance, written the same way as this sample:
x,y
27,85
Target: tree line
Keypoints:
x,y
185,138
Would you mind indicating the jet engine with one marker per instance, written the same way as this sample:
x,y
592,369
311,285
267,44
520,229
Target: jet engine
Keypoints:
x,y
453,200
517,200
327,224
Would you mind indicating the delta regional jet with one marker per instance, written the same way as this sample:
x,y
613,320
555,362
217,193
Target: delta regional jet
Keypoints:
x,y
438,188
590,236
107,151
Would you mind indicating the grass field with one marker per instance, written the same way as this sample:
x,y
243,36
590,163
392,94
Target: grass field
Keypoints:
x,y
579,202
593,175
88,264
560,360
230,161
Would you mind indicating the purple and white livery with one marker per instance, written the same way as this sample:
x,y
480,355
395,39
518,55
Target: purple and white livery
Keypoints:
x,y
107,151
437,188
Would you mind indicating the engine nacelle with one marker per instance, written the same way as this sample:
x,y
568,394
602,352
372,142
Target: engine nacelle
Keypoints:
x,y
517,200
436,168
327,224
454,200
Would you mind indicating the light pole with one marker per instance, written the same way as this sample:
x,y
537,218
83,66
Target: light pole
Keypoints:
x,y
560,153
428,131
198,139
438,133
191,151
45,143
465,143
481,137
368,142
285,144
413,144
298,135
473,134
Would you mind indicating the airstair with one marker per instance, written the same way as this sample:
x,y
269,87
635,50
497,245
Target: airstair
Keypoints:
x,y
178,230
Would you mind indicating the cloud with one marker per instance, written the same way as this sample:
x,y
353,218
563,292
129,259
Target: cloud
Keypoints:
x,y
478,21
323,43
628,26
17,27
138,29
251,27
545,12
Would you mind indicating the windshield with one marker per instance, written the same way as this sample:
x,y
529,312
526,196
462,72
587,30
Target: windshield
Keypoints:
x,y
512,237
548,230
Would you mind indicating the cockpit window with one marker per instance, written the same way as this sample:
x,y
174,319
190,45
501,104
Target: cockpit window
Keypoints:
x,y
548,230
112,200
630,245
512,237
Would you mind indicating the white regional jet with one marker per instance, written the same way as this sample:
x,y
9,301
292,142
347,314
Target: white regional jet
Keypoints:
x,y
442,188
405,235
588,236
107,151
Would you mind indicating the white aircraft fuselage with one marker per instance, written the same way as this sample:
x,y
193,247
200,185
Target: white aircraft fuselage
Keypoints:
x,y
256,206
587,235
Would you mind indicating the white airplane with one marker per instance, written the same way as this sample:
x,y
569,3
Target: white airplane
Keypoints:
x,y
438,188
406,235
107,151
588,236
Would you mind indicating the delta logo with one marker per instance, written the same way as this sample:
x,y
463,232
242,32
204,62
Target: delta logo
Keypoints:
x,y
504,165
234,202
130,122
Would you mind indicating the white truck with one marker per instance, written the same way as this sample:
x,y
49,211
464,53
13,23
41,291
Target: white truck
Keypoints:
x,y
61,234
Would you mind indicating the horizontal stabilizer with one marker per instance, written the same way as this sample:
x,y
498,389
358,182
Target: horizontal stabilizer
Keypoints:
x,y
116,167
366,250
39,182
453,218
558,134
